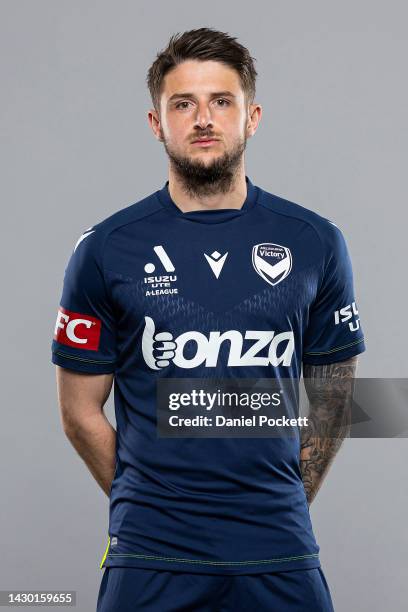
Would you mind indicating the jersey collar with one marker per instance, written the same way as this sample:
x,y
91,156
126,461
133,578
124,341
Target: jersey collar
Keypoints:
x,y
209,216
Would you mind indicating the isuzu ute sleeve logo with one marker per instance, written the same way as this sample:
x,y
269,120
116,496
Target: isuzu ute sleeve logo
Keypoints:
x,y
272,262
345,314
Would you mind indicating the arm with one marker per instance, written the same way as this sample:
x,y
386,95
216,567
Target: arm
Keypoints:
x,y
81,398
329,389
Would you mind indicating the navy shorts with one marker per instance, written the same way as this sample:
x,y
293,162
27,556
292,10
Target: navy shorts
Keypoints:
x,y
130,589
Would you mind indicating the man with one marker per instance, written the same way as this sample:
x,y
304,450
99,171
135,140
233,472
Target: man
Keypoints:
x,y
208,277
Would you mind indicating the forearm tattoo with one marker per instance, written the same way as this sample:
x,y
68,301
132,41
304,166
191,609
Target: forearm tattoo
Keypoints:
x,y
329,389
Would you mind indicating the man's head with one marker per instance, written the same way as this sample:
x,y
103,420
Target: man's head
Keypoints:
x,y
202,87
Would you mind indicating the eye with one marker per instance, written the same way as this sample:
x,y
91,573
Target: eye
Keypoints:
x,y
183,102
224,102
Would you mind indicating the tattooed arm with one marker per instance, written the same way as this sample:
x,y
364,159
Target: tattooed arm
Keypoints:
x,y
329,389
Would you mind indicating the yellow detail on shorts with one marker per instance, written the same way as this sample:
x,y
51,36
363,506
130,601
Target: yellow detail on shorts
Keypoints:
x,y
105,553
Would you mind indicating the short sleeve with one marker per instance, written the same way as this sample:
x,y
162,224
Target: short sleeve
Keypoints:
x,y
85,331
334,331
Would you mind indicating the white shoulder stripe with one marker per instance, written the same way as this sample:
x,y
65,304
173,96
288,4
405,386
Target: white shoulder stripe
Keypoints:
x,y
81,238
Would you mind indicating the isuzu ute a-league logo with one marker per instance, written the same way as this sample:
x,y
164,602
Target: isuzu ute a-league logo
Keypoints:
x,y
273,262
162,283
161,348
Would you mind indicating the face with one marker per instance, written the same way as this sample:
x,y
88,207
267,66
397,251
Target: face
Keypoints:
x,y
204,123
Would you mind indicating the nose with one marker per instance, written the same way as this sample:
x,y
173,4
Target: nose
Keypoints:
x,y
203,116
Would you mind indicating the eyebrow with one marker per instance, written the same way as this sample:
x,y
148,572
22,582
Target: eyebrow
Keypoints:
x,y
178,96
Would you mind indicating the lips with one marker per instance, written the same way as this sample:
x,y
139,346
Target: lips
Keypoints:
x,y
207,139
205,142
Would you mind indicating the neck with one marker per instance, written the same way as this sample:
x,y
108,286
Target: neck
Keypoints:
x,y
187,202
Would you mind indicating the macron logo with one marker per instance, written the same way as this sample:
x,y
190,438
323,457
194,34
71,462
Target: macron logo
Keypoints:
x,y
216,262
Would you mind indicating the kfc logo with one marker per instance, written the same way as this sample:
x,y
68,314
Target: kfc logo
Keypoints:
x,y
77,330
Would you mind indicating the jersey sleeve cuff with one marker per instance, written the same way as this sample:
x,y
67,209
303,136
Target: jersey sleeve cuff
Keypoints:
x,y
82,364
336,354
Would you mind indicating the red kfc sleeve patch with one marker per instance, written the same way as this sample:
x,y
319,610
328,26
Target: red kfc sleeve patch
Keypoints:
x,y
77,330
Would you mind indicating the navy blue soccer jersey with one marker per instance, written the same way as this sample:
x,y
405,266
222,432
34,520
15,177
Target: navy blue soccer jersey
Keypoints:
x,y
154,293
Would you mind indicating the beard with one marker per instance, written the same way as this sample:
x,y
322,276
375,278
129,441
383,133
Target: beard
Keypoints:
x,y
199,179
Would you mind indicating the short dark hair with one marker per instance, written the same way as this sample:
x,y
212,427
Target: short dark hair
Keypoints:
x,y
202,44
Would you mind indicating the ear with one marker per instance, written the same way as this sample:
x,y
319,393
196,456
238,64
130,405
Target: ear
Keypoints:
x,y
155,124
254,117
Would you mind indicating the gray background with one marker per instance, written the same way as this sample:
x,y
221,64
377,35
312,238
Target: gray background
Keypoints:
x,y
76,146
